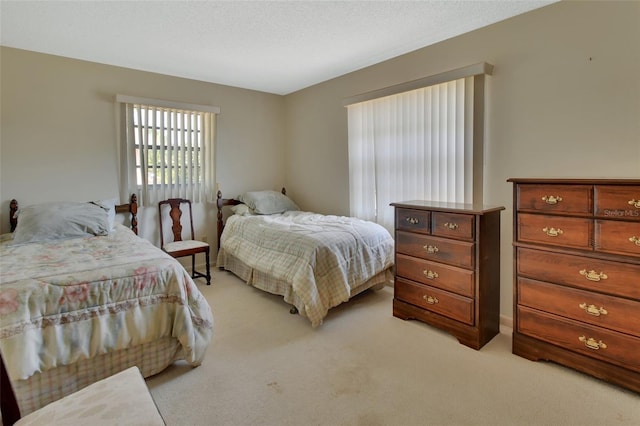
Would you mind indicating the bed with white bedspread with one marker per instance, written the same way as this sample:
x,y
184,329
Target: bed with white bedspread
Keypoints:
x,y
76,310
315,261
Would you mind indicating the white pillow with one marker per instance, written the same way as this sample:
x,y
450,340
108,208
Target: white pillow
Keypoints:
x,y
110,206
268,202
242,210
60,220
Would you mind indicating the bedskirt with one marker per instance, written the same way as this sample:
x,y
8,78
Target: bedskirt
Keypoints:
x,y
45,387
265,282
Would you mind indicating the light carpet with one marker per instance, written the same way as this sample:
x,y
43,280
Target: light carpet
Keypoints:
x,y
364,367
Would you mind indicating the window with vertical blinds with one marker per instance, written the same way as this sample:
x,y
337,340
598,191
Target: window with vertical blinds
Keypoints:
x,y
167,152
415,144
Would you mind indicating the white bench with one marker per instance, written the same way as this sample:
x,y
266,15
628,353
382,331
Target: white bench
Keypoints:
x,y
121,399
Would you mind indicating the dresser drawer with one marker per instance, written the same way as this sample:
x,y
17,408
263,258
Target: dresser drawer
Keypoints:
x,y
618,237
457,253
555,230
413,220
453,225
556,198
457,280
598,309
435,300
618,201
615,278
607,345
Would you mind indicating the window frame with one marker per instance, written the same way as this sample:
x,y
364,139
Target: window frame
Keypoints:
x,y
152,129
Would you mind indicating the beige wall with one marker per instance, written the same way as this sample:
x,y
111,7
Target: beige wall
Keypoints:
x,y
58,132
564,101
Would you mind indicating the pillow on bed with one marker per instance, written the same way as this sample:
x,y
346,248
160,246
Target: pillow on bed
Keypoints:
x,y
268,202
110,206
242,210
61,220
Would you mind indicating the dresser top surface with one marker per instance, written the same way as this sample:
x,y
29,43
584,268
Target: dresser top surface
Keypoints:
x,y
576,181
442,206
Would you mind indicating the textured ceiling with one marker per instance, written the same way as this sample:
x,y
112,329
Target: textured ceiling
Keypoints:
x,y
272,46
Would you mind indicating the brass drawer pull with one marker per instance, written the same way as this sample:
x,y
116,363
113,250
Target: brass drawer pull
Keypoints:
x,y
552,232
635,203
412,220
550,199
431,300
431,249
592,344
451,226
593,275
430,274
635,240
593,310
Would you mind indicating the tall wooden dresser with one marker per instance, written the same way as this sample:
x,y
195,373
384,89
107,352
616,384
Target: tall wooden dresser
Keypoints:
x,y
448,268
577,275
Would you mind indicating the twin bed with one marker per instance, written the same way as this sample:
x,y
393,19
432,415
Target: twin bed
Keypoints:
x,y
314,261
77,308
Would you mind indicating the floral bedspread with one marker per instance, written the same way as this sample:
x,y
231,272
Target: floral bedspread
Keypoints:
x,y
323,257
68,300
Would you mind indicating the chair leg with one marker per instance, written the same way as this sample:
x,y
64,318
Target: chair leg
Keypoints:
x,y
197,274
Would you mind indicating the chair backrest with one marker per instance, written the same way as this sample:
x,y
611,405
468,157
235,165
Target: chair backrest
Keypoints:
x,y
175,213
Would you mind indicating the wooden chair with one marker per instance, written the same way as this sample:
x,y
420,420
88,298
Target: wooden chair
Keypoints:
x,y
122,399
179,247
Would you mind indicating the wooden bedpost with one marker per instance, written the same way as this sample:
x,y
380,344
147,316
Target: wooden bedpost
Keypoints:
x,y
219,204
133,209
13,209
8,403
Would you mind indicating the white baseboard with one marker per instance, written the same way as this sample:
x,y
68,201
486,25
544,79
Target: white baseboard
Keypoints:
x,y
506,324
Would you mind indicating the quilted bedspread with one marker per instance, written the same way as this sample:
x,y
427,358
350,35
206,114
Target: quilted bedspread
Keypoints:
x,y
68,300
323,257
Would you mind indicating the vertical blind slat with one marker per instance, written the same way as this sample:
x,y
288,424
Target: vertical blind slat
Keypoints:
x,y
153,141
161,153
176,154
185,149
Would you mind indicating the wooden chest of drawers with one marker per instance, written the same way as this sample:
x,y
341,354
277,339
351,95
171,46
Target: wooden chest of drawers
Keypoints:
x,y
448,268
577,275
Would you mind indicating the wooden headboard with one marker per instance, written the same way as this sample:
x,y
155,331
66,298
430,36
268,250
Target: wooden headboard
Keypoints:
x,y
131,208
221,202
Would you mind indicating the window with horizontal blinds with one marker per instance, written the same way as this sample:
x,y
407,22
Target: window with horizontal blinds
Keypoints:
x,y
421,144
167,153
